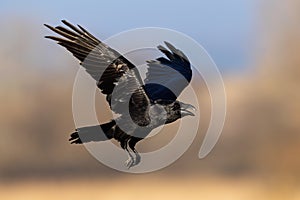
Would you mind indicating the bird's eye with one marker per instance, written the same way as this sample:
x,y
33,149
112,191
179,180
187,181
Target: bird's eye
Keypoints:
x,y
176,107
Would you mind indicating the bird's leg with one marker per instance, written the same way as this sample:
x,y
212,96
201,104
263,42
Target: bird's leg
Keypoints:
x,y
133,160
132,142
130,161
137,159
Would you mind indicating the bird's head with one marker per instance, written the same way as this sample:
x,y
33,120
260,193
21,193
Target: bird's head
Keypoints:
x,y
176,110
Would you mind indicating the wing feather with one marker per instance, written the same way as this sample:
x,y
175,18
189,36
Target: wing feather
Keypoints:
x,y
167,78
106,66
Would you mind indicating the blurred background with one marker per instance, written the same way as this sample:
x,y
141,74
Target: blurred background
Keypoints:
x,y
255,44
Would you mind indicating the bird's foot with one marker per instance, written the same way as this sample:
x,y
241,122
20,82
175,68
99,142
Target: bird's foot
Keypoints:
x,y
132,160
129,162
137,159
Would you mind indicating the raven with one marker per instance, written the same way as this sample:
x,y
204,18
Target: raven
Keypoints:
x,y
150,103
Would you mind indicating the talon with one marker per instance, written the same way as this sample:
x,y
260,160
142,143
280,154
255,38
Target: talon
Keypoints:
x,y
137,158
130,161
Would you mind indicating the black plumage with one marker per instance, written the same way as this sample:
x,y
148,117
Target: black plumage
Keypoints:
x,y
152,102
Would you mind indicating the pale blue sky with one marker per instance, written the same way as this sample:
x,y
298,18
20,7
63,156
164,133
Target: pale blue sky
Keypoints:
x,y
225,28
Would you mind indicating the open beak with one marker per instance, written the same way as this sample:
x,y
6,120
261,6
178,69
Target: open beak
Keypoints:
x,y
185,109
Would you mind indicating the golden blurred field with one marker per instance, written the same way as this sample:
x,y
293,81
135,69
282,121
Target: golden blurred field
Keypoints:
x,y
150,187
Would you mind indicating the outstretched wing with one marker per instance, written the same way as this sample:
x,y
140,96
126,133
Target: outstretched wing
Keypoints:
x,y
166,78
106,66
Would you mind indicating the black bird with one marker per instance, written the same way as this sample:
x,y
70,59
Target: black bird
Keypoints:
x,y
141,105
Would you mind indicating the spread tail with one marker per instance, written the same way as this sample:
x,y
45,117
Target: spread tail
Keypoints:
x,y
93,133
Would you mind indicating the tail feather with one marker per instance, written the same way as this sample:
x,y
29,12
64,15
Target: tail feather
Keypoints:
x,y
93,133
